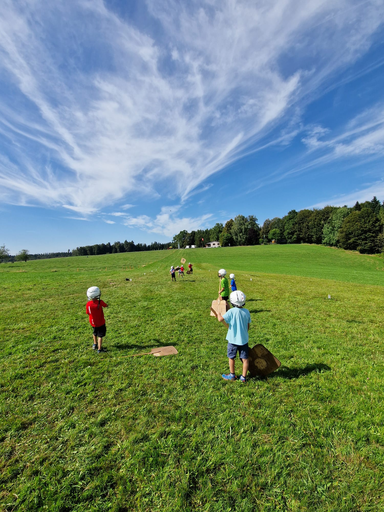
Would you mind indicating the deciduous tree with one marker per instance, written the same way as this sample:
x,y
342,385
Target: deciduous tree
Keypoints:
x,y
4,253
23,255
360,231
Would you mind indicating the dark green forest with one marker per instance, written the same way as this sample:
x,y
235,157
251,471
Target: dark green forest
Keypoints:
x,y
359,228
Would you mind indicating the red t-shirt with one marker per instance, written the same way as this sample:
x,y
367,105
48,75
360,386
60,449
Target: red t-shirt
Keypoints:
x,y
95,312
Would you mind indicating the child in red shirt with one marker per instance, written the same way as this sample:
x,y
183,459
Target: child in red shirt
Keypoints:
x,y
96,317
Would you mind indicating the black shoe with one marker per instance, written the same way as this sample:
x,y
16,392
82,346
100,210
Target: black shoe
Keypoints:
x,y
101,350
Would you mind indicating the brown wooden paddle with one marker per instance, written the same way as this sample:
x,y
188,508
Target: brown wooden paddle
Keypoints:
x,y
158,352
261,361
219,306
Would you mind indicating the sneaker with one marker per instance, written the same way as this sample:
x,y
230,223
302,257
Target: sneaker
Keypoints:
x,y
102,350
242,379
229,376
94,346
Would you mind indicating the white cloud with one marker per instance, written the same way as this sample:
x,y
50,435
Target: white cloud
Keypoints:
x,y
167,223
313,136
362,136
93,110
365,194
109,221
361,140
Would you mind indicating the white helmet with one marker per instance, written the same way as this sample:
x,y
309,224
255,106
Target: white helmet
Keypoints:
x,y
232,276
222,272
93,292
237,298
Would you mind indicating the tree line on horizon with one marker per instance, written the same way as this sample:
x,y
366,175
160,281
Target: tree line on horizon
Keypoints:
x,y
359,228
108,248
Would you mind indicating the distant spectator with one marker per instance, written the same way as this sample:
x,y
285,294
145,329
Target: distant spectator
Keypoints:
x,y
233,282
173,274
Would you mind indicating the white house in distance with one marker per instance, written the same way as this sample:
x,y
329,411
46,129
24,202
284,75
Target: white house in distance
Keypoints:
x,y
211,245
190,246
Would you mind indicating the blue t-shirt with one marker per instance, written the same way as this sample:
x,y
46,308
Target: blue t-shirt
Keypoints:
x,y
237,320
233,285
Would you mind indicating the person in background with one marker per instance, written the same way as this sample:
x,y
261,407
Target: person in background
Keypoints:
x,y
190,268
223,285
173,274
233,282
94,309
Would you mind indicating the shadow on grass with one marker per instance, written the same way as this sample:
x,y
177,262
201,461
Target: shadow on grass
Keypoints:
x,y
259,310
253,300
128,346
295,373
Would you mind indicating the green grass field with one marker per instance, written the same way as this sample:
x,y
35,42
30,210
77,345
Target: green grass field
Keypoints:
x,y
82,431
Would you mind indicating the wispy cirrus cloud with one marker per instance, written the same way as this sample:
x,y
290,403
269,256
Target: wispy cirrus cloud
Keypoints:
x,y
359,141
95,107
363,135
361,195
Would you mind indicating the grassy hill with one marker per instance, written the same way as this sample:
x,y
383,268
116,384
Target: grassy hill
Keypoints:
x,y
86,431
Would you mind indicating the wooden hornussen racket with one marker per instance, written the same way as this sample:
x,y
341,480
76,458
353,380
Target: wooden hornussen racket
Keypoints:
x,y
261,361
219,306
158,352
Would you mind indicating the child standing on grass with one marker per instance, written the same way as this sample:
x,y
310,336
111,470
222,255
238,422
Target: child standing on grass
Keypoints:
x,y
233,282
173,274
223,285
96,317
237,321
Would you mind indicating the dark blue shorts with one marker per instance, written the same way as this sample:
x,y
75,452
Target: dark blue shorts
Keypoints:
x,y
241,349
100,332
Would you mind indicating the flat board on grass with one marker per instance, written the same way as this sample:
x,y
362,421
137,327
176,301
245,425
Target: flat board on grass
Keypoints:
x,y
261,361
159,351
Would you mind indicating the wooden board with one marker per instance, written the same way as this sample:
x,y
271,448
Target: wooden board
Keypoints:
x,y
261,361
159,351
219,307
183,260
164,351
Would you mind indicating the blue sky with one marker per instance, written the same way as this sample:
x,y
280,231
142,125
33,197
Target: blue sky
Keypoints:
x,y
137,119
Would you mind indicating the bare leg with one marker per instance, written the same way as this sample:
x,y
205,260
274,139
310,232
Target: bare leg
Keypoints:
x,y
245,367
94,340
100,343
231,365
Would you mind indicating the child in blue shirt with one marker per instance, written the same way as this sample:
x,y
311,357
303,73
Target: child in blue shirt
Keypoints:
x,y
233,283
237,321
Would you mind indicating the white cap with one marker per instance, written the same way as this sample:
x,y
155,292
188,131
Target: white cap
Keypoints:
x,y
237,298
93,292
222,272
232,276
